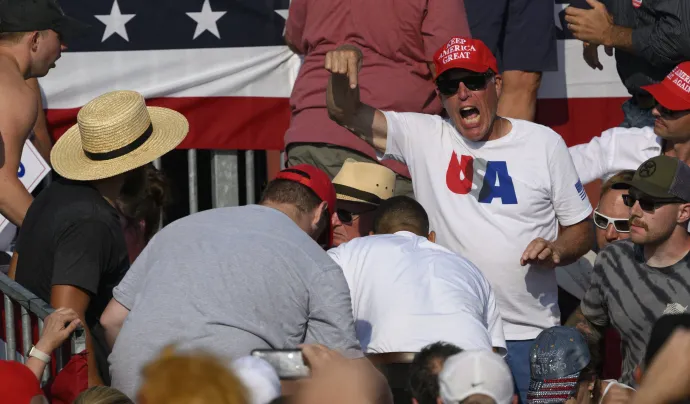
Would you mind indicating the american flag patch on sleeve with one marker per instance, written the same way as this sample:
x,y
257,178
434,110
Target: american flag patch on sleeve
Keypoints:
x,y
580,190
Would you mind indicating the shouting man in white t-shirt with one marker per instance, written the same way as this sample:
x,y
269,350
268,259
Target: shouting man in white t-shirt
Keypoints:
x,y
496,189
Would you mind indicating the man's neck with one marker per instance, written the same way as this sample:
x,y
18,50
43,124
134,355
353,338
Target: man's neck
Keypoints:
x,y
680,150
290,211
22,65
110,188
500,128
669,252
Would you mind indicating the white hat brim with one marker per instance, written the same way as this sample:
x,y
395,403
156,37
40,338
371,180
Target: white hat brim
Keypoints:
x,y
69,160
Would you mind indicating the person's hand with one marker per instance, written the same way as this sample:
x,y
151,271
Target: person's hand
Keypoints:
x,y
593,26
591,54
618,394
57,327
344,63
667,380
541,252
334,379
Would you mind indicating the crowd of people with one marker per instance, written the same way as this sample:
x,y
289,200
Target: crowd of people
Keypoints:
x,y
423,220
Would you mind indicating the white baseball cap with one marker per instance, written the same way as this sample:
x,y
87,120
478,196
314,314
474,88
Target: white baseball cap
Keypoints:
x,y
476,372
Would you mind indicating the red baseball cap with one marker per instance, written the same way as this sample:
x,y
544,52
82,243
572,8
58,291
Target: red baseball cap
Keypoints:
x,y
464,53
18,385
674,91
319,182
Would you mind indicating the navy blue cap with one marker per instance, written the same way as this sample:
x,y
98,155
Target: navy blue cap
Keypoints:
x,y
38,15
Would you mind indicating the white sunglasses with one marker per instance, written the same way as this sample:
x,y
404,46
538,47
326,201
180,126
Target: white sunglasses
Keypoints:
x,y
622,225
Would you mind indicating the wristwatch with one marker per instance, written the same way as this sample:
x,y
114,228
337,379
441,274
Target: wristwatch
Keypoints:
x,y
38,354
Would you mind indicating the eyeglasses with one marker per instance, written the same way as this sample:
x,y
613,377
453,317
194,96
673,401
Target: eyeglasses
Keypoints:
x,y
621,225
447,86
347,217
648,205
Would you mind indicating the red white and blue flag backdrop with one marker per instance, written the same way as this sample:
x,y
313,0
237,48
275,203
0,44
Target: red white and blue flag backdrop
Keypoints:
x,y
223,64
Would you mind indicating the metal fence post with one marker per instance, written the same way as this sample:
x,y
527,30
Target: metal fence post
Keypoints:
x,y
10,333
250,176
225,178
27,338
193,183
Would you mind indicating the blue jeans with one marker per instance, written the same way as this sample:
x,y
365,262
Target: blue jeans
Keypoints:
x,y
636,117
518,362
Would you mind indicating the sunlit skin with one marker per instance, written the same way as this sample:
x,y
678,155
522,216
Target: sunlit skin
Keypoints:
x,y
611,205
362,222
488,126
674,126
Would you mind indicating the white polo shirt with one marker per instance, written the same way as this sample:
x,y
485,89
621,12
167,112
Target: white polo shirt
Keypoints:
x,y
408,292
487,201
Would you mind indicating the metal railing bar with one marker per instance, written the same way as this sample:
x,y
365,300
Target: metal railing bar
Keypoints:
x,y
10,341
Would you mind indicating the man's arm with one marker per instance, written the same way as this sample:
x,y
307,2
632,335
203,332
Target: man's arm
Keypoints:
x,y
41,139
294,26
112,319
18,109
343,102
591,331
667,41
331,322
78,300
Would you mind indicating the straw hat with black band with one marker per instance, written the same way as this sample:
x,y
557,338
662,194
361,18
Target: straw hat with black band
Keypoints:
x,y
364,182
115,133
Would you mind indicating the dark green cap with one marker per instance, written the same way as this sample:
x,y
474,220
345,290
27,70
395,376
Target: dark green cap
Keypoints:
x,y
661,177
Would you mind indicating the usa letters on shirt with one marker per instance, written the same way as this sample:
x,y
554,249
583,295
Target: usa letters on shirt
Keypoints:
x,y
495,182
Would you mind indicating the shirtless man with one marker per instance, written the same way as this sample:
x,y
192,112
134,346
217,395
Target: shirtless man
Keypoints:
x,y
32,35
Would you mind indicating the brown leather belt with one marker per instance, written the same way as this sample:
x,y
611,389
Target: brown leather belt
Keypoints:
x,y
391,357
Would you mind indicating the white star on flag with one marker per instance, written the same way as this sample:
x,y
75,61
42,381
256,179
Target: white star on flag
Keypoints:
x,y
115,23
206,20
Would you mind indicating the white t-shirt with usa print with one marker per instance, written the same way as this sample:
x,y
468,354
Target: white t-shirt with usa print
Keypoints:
x,y
488,200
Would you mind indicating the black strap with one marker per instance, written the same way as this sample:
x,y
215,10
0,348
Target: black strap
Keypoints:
x,y
126,149
356,193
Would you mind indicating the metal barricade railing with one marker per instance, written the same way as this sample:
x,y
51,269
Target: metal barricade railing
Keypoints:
x,y
30,304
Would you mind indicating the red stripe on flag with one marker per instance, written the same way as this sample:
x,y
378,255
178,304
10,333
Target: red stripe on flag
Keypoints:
x,y
259,123
243,123
578,120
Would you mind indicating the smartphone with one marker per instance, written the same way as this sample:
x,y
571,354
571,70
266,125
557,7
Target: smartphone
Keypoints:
x,y
288,363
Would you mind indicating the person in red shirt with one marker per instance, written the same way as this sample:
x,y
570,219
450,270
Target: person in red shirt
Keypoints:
x,y
398,39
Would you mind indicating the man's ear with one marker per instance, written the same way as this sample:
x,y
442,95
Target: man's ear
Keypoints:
x,y
432,236
318,212
637,374
684,213
499,84
34,39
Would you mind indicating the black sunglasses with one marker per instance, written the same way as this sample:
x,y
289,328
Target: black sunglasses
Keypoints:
x,y
621,225
648,204
670,113
448,86
346,217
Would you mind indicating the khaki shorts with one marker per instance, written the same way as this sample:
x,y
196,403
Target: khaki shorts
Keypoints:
x,y
330,158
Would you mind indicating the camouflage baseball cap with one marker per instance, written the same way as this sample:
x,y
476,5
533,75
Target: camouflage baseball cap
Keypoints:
x,y
661,177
